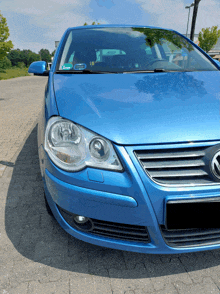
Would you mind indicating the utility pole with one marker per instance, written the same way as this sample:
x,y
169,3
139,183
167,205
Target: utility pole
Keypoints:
x,y
195,10
188,7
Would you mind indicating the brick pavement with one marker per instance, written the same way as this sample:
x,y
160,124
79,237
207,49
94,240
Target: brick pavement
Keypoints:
x,y
37,256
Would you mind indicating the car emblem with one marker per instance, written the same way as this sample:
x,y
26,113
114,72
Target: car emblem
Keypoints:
x,y
215,165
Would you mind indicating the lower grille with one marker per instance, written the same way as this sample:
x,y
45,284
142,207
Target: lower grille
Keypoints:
x,y
191,237
108,229
120,231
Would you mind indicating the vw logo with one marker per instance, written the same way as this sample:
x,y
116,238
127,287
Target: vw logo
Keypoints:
x,y
215,165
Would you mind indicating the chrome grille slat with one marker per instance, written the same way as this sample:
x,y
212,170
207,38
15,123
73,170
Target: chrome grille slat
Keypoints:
x,y
176,166
191,181
179,173
171,155
172,164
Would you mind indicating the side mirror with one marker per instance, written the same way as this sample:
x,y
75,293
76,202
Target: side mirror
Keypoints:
x,y
217,62
39,68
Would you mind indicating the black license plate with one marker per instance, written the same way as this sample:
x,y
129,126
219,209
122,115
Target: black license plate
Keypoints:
x,y
190,215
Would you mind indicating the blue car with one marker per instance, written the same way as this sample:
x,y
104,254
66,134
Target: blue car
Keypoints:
x,y
129,139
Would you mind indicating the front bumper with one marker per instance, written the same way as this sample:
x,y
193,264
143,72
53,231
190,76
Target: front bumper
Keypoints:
x,y
115,197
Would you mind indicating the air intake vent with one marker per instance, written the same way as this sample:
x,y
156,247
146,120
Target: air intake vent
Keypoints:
x,y
121,231
191,237
109,229
182,166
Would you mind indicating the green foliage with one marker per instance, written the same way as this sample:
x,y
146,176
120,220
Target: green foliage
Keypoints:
x,y
14,56
5,63
26,56
156,36
5,46
45,55
21,65
208,38
93,23
14,72
32,56
53,53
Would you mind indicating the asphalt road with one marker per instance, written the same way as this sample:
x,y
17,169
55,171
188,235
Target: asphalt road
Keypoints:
x,y
37,256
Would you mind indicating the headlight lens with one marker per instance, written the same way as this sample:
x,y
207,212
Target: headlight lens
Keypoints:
x,y
99,149
72,147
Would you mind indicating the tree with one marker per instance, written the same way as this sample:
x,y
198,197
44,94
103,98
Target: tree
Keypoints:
x,y
5,46
5,63
93,23
45,55
53,53
208,38
15,56
156,36
18,56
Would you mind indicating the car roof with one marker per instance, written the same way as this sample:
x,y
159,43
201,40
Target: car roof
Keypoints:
x,y
116,26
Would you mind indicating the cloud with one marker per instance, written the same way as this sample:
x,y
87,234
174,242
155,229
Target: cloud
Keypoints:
x,y
51,18
172,13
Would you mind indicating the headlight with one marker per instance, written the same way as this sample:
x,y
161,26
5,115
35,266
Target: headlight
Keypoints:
x,y
72,147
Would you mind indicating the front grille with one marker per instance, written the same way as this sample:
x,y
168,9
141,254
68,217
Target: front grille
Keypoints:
x,y
176,166
108,229
191,237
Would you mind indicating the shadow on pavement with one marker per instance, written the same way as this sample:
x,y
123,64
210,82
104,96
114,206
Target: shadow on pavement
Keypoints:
x,y
38,237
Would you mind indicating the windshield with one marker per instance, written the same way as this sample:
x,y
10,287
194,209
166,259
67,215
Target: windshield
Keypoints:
x,y
120,49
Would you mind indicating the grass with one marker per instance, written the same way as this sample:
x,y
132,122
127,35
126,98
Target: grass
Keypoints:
x,y
14,72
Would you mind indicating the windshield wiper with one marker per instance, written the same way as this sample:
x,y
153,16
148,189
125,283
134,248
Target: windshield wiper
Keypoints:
x,y
84,71
150,71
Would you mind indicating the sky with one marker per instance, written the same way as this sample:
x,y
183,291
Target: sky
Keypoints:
x,y
37,24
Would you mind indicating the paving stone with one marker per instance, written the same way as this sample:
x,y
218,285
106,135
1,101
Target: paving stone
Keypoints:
x,y
19,289
205,264
77,250
60,287
132,259
50,249
163,274
22,274
207,286
126,280
87,283
51,274
168,289
100,257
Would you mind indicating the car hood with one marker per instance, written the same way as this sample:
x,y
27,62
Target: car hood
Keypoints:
x,y
139,108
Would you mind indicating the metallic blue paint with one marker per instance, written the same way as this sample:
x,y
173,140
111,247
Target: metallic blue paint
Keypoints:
x,y
143,108
134,111
217,62
38,67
